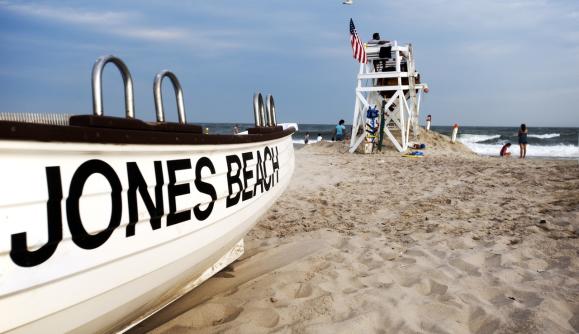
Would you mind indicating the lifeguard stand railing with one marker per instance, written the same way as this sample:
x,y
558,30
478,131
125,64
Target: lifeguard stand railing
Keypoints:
x,y
390,83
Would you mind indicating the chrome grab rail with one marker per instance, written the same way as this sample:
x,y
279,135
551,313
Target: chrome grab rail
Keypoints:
x,y
159,98
258,110
97,94
270,111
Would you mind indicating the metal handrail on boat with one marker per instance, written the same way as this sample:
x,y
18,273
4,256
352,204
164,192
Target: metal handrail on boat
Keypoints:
x,y
258,110
159,98
97,95
264,114
270,111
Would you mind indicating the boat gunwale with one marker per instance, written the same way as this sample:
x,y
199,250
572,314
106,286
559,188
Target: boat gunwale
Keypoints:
x,y
11,130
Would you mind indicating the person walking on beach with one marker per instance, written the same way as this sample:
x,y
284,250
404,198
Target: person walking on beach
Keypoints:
x,y
523,131
340,131
505,150
307,138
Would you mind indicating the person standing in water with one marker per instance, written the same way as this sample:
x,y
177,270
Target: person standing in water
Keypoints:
x,y
523,131
340,131
307,138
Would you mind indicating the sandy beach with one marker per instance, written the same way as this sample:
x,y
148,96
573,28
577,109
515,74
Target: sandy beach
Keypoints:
x,y
449,243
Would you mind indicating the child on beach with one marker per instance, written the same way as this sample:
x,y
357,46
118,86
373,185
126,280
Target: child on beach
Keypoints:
x,y
319,139
340,131
505,150
523,131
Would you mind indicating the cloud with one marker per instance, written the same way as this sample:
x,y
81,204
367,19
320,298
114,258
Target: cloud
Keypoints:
x,y
121,24
65,15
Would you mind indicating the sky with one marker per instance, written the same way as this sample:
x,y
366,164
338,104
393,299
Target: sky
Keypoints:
x,y
487,63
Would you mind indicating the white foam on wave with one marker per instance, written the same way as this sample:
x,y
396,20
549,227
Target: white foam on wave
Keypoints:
x,y
467,138
555,151
301,141
546,136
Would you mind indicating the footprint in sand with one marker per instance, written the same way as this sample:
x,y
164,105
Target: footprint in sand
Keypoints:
x,y
406,279
415,253
349,291
460,264
261,317
388,256
501,300
430,287
482,323
529,299
493,260
295,290
304,290
206,315
439,254
407,260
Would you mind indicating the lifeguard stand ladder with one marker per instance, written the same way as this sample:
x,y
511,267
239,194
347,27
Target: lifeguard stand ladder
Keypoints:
x,y
398,96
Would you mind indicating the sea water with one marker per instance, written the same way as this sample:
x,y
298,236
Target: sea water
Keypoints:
x,y
544,142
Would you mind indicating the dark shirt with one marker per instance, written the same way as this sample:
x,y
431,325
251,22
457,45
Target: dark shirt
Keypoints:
x,y
522,137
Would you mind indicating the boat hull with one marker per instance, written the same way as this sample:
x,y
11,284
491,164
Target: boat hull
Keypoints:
x,y
94,236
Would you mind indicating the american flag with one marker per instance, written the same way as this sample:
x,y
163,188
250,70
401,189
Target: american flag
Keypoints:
x,y
357,46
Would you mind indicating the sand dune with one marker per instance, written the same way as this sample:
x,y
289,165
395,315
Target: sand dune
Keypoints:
x,y
450,243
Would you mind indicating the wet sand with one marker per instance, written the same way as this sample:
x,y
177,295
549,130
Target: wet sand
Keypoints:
x,y
448,243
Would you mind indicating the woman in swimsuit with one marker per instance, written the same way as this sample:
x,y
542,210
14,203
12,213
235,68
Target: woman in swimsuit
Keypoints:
x,y
523,141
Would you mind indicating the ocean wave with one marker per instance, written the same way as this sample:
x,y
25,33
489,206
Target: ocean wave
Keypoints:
x,y
471,138
301,141
555,151
546,136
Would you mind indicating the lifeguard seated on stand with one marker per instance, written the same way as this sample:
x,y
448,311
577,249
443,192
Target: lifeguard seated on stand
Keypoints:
x,y
384,60
379,52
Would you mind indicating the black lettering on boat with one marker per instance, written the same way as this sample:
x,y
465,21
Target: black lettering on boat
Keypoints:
x,y
275,162
205,188
175,190
233,179
137,182
79,235
239,179
267,184
19,252
259,174
247,174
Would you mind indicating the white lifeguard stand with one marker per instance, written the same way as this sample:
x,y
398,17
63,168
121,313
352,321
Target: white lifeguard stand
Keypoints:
x,y
390,82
